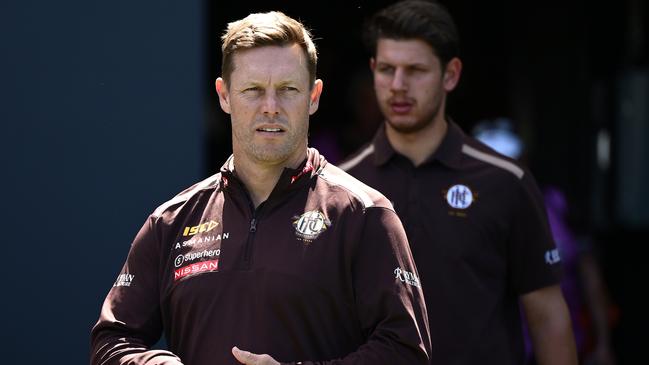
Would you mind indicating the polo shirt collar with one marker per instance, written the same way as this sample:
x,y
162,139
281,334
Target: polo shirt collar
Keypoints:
x,y
383,150
448,153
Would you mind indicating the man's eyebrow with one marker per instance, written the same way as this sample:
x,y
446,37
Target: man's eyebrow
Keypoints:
x,y
248,83
253,82
279,84
286,83
388,63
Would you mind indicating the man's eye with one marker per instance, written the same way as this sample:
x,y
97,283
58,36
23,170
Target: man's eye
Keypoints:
x,y
418,70
254,88
288,88
385,69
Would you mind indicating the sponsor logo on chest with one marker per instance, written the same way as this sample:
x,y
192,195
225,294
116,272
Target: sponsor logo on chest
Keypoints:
x,y
198,237
201,228
199,267
198,249
198,241
193,256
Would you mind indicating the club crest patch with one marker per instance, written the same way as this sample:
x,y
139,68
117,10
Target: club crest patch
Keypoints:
x,y
310,225
459,196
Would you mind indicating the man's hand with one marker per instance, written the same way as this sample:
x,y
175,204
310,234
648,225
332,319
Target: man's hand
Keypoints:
x,y
248,358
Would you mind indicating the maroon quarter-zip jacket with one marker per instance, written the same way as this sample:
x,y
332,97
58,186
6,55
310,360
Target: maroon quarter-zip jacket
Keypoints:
x,y
321,272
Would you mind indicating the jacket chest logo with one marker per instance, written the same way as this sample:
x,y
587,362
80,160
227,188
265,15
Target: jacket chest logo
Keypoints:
x,y
310,225
459,196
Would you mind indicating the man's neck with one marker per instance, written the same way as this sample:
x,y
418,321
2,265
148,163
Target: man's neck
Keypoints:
x,y
260,178
418,146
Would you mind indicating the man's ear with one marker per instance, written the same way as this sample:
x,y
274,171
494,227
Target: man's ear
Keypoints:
x,y
372,64
224,94
314,98
452,74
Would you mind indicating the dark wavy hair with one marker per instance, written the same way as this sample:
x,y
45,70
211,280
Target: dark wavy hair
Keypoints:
x,y
428,21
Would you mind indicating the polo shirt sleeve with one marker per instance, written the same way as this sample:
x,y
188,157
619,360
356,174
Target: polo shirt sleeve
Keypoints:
x,y
130,320
388,295
533,258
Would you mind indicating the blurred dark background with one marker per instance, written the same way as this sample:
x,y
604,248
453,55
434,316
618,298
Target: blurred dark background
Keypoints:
x,y
108,109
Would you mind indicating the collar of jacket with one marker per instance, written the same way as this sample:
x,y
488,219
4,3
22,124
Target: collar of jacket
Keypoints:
x,y
291,180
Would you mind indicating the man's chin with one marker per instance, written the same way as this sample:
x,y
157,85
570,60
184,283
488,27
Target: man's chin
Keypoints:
x,y
271,157
407,126
274,156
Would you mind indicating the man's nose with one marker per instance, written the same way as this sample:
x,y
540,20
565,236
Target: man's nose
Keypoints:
x,y
399,81
270,104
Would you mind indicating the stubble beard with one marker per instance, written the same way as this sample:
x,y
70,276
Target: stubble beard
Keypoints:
x,y
418,124
277,152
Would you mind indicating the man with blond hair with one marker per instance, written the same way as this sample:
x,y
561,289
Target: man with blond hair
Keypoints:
x,y
279,257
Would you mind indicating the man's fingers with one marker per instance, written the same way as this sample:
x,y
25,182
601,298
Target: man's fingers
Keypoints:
x,y
243,357
248,358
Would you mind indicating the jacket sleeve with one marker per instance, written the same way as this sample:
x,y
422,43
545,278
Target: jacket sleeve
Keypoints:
x,y
130,320
389,298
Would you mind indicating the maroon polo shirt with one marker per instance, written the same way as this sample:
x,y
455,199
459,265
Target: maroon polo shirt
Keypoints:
x,y
478,231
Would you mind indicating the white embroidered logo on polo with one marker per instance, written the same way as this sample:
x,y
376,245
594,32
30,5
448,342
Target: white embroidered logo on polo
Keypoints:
x,y
459,196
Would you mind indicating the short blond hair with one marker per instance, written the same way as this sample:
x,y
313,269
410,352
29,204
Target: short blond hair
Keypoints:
x,y
266,29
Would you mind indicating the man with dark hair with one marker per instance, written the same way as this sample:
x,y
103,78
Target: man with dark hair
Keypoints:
x,y
280,253
475,219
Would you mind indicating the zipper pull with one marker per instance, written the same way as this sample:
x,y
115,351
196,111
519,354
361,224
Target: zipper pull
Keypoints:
x,y
253,225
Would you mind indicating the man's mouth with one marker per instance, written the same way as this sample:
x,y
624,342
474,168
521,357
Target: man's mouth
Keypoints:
x,y
272,130
401,107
